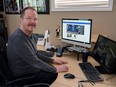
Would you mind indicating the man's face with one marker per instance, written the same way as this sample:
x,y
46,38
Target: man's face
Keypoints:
x,y
29,20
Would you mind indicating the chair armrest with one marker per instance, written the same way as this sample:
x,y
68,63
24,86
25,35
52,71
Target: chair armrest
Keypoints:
x,y
19,79
25,79
38,84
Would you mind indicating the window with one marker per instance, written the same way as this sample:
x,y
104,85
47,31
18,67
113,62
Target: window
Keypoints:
x,y
81,5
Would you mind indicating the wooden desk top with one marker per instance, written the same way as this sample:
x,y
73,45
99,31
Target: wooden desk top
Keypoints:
x,y
75,69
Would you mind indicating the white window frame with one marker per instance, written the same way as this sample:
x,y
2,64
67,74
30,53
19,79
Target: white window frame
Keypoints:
x,y
83,8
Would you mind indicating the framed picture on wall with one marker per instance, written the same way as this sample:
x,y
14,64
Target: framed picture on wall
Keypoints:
x,y
12,6
1,5
42,6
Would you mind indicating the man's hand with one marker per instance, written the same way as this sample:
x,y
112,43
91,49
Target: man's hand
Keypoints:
x,y
61,68
59,61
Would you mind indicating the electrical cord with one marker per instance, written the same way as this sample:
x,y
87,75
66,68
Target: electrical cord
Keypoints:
x,y
91,82
83,81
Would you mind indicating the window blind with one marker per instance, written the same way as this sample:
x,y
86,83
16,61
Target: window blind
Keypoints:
x,y
82,5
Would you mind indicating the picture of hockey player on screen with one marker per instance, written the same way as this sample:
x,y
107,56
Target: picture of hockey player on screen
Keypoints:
x,y
75,29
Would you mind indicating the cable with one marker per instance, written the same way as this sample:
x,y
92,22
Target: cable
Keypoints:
x,y
106,83
83,81
93,83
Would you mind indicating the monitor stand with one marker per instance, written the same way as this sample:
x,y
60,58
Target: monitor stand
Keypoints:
x,y
102,70
76,48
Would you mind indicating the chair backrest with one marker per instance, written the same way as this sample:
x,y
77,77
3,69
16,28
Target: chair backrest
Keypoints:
x,y
5,71
7,75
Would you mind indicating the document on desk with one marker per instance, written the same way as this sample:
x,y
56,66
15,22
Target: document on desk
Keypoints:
x,y
40,41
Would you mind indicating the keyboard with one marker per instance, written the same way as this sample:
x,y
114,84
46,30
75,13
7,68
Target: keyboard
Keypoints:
x,y
90,72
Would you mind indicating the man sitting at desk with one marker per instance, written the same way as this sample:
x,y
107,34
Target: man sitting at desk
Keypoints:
x,y
23,57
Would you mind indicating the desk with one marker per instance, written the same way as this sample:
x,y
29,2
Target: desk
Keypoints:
x,y
76,70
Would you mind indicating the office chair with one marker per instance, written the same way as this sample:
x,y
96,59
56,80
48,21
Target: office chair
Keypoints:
x,y
7,79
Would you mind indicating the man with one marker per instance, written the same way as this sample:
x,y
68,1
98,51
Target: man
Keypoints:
x,y
23,57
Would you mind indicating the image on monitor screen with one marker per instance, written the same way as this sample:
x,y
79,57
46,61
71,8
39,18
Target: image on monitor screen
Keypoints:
x,y
77,31
104,53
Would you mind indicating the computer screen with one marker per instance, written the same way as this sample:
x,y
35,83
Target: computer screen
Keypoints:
x,y
77,31
104,53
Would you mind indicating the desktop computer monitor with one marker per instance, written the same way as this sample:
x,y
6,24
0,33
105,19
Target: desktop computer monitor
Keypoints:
x,y
104,53
77,31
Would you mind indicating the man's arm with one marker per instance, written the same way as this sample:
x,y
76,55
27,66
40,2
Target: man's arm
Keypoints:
x,y
23,49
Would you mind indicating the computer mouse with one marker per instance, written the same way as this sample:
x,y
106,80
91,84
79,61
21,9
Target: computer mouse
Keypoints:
x,y
69,75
